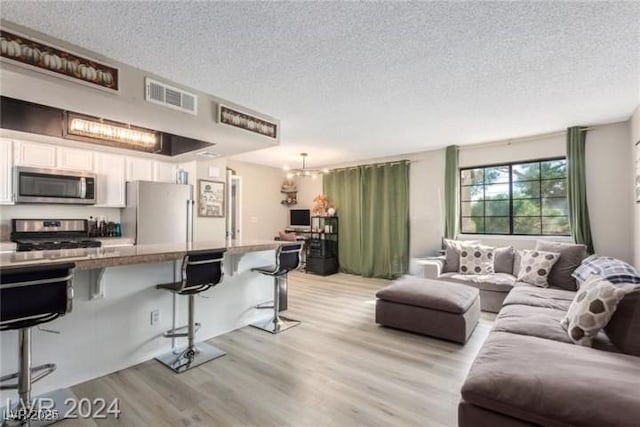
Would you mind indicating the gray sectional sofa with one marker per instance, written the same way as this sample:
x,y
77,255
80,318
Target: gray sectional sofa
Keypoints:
x,y
528,371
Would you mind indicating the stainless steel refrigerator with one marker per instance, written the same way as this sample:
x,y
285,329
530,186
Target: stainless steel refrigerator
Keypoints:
x,y
158,212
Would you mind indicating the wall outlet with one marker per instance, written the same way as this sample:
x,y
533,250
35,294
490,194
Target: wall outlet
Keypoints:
x,y
155,317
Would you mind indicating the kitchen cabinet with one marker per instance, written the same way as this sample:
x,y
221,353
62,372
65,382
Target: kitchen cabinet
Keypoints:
x,y
139,169
110,170
6,171
74,159
164,171
34,154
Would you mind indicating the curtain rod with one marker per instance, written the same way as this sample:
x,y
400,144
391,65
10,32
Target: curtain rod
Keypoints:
x,y
509,141
370,165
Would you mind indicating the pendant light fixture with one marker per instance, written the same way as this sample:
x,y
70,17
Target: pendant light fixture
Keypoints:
x,y
303,171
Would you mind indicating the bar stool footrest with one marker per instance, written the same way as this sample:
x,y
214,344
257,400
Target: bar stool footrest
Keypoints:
x,y
276,325
37,372
173,333
189,358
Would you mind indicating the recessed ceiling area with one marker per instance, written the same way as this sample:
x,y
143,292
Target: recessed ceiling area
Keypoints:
x,y
353,81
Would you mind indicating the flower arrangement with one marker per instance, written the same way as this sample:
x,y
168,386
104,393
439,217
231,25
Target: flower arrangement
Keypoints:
x,y
321,205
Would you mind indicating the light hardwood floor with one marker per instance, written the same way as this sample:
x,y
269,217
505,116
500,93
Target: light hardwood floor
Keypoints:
x,y
338,368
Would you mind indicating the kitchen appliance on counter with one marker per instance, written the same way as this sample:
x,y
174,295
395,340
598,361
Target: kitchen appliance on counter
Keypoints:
x,y
158,212
51,234
39,185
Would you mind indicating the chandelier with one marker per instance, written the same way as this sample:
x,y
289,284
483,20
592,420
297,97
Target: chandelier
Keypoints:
x,y
303,171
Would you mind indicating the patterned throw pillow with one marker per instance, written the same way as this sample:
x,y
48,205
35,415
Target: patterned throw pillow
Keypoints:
x,y
535,267
592,308
476,259
612,269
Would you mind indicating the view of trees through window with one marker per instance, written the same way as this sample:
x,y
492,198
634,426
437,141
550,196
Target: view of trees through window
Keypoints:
x,y
517,198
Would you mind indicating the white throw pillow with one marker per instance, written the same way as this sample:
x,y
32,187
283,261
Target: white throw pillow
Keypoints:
x,y
592,308
535,267
477,259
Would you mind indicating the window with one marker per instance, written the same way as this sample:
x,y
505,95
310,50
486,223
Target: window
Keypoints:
x,y
519,198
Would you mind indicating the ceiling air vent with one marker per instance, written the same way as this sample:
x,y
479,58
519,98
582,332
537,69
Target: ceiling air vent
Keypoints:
x,y
171,97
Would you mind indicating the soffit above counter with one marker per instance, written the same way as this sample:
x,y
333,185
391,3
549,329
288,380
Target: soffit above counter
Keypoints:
x,y
128,104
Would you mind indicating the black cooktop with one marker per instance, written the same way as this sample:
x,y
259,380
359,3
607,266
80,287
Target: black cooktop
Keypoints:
x,y
49,245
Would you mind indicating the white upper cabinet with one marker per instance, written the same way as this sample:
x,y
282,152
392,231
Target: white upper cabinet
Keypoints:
x,y
110,171
139,169
75,159
34,154
6,172
164,171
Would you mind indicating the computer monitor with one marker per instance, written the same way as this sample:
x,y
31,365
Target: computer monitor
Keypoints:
x,y
300,218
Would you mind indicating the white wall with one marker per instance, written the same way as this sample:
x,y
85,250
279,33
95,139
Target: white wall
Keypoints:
x,y
608,188
634,138
308,189
262,213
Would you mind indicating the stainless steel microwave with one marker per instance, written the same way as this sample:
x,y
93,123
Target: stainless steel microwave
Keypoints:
x,y
36,185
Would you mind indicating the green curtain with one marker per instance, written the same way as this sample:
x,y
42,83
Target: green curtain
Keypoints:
x,y
451,192
372,202
577,187
385,220
344,188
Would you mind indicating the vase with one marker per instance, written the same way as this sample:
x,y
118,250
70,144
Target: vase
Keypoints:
x,y
331,211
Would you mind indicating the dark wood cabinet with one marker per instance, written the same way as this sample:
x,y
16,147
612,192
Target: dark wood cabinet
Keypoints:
x,y
322,246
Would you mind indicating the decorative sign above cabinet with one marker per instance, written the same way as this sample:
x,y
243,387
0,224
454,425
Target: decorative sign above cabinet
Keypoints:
x,y
107,132
244,121
52,60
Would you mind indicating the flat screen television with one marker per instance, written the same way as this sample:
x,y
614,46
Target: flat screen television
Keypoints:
x,y
300,217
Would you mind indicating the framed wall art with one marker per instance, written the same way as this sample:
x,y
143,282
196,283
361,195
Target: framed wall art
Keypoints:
x,y
231,117
211,198
52,60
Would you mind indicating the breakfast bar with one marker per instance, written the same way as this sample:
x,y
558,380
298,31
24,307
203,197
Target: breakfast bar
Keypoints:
x,y
118,316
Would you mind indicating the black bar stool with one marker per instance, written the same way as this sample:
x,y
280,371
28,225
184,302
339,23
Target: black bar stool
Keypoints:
x,y
30,297
288,257
200,271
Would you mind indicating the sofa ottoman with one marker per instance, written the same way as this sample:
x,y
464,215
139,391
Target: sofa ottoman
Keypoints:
x,y
430,307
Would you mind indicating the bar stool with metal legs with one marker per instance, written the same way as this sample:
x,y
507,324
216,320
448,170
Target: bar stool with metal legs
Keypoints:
x,y
288,257
30,297
201,271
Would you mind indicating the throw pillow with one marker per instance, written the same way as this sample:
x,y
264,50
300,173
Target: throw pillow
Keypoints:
x,y
452,254
517,261
288,237
614,270
503,260
624,327
476,259
591,309
571,255
536,266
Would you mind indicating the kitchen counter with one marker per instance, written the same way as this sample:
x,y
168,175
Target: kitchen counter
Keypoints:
x,y
98,258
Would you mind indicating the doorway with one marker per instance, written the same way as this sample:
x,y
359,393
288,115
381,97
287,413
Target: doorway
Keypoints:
x,y
234,205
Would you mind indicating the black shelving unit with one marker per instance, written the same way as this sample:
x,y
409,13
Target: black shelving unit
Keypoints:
x,y
322,245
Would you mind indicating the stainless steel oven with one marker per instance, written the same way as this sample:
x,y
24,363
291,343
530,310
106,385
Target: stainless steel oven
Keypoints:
x,y
36,185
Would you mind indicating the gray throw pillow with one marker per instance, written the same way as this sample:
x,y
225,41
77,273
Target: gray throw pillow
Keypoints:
x,y
517,260
624,327
571,255
592,308
503,260
536,266
452,253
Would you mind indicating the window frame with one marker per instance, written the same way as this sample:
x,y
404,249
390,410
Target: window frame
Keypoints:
x,y
511,165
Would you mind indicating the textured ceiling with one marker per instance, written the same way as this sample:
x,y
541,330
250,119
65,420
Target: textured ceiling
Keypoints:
x,y
353,80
